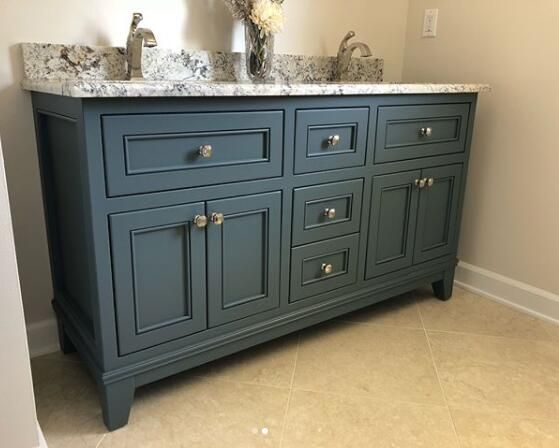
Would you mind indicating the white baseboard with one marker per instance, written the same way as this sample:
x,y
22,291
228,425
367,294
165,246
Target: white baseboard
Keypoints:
x,y
529,299
42,441
42,338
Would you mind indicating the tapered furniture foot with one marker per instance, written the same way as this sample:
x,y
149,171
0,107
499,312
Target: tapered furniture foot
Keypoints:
x,y
443,288
116,401
66,345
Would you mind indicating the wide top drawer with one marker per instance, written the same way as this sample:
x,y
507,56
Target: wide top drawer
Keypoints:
x,y
409,132
145,153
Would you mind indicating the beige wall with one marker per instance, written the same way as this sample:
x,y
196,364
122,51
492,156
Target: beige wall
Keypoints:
x,y
18,420
313,27
511,215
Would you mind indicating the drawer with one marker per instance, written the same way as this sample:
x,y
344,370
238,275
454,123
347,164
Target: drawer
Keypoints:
x,y
410,132
328,139
321,267
145,153
326,211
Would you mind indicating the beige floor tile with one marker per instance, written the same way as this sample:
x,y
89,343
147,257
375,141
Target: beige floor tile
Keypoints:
x,y
269,364
469,313
324,420
399,311
382,362
195,412
512,376
488,430
552,331
68,408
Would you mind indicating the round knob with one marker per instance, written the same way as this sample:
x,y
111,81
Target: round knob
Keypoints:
x,y
205,151
430,182
426,132
327,268
217,218
420,183
333,140
200,221
330,213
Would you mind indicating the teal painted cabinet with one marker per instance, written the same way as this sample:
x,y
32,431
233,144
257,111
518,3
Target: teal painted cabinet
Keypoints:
x,y
182,230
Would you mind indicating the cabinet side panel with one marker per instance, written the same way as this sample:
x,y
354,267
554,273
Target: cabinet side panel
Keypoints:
x,y
59,144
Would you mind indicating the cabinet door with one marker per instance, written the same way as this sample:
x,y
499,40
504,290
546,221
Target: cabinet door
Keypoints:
x,y
159,273
392,223
244,257
437,223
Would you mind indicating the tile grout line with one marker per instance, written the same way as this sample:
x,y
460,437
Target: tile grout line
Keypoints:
x,y
101,441
284,425
459,444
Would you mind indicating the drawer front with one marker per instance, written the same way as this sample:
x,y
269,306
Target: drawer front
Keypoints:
x,y
326,211
410,132
146,153
322,267
330,139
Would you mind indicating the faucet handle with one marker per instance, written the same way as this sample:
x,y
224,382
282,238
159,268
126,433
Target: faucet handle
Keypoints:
x,y
345,40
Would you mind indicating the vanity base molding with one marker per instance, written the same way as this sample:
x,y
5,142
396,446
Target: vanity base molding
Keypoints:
x,y
183,230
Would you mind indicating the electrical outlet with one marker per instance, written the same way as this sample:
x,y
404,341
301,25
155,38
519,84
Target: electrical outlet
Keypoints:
x,y
430,23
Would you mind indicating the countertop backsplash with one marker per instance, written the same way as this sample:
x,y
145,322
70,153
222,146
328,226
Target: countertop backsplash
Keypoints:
x,y
63,62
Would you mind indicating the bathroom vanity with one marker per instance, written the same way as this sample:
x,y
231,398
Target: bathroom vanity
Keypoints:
x,y
188,221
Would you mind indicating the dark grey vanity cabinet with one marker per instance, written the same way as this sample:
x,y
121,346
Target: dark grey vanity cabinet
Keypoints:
x,y
182,230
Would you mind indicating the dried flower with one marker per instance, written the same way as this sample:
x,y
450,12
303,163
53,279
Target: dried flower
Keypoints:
x,y
240,9
267,15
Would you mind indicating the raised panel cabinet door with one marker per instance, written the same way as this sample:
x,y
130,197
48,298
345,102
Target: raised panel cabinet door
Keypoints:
x,y
437,223
244,239
392,223
159,274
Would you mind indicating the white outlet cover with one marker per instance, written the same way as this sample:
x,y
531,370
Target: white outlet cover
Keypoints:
x,y
430,22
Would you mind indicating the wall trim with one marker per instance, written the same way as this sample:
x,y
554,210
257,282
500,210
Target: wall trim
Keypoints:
x,y
529,299
42,337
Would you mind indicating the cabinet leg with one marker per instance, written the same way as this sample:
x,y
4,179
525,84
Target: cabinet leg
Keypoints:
x,y
66,345
116,401
443,288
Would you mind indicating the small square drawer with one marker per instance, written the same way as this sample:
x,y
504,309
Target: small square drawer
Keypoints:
x,y
326,211
322,267
147,153
328,139
410,132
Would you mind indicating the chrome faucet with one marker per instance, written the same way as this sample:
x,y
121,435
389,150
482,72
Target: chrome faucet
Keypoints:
x,y
137,39
345,53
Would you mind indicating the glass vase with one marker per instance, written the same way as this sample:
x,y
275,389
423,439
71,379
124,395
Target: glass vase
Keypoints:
x,y
259,49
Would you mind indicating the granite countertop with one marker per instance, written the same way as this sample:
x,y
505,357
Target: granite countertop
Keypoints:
x,y
99,72
165,88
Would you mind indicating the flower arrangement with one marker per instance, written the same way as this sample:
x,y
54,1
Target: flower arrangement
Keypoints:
x,y
263,19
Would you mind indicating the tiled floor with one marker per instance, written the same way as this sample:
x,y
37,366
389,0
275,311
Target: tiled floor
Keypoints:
x,y
411,372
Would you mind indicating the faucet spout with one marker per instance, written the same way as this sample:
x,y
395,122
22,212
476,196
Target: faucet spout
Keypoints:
x,y
345,53
137,39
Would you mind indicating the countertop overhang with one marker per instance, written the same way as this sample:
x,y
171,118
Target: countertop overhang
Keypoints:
x,y
79,88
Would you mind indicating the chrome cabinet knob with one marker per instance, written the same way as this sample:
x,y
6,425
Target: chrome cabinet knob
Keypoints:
x,y
430,182
420,183
330,213
426,132
333,140
205,151
327,268
200,221
217,218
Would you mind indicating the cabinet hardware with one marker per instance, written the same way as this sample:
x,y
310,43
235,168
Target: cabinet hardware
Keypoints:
x,y
200,221
205,151
430,182
333,140
217,218
330,213
426,132
327,268
420,183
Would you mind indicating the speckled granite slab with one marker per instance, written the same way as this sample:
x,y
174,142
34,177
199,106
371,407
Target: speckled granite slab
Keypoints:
x,y
58,62
97,72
